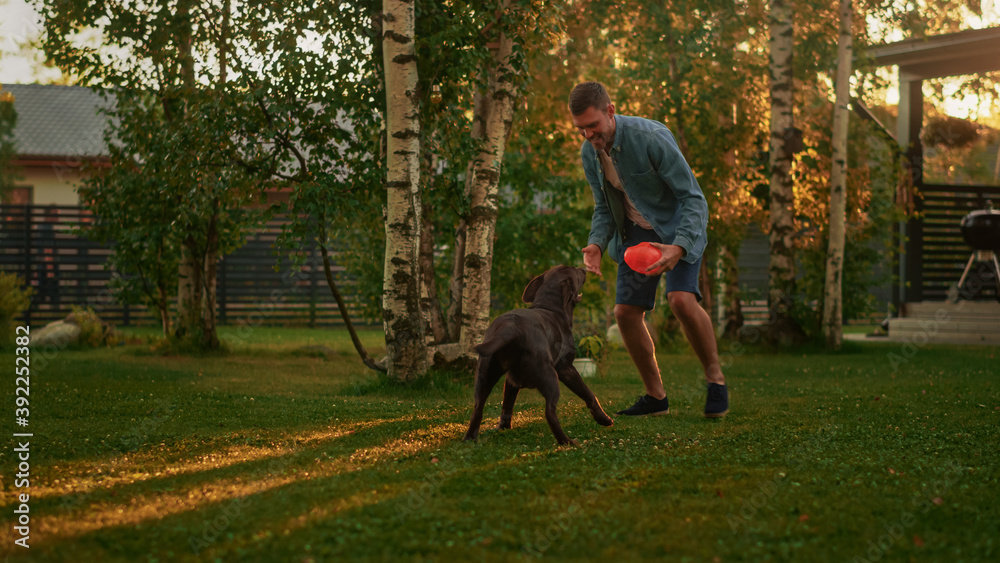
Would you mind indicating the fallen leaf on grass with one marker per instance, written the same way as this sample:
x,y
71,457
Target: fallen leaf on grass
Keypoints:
x,y
938,501
803,517
918,541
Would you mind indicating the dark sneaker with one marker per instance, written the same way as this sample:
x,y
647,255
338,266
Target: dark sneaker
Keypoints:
x,y
647,405
717,403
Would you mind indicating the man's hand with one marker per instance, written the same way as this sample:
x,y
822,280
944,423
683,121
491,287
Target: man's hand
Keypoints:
x,y
592,259
671,255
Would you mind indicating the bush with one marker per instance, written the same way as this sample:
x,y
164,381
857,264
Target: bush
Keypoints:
x,y
591,347
93,332
15,299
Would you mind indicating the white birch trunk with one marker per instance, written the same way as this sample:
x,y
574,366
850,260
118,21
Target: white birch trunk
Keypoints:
x,y
402,318
485,188
456,288
833,294
781,286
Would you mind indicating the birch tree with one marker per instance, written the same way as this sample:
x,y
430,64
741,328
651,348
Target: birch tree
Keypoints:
x,y
499,117
402,317
833,298
784,329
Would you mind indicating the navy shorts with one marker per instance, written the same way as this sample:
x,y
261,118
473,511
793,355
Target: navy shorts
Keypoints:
x,y
638,289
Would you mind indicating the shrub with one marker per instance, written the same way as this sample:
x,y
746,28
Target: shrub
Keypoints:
x,y
591,347
93,332
15,299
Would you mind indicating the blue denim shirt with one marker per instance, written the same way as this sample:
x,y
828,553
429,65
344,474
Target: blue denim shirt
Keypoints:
x,y
659,183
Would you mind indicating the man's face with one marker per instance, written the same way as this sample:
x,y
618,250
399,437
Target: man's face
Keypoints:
x,y
597,126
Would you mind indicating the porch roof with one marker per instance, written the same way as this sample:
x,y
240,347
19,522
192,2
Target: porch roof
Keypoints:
x,y
966,52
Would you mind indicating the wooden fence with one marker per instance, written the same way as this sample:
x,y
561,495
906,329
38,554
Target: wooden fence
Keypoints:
x,y
43,245
935,252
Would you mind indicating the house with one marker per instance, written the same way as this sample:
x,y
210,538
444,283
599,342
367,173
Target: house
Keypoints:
x,y
934,301
59,128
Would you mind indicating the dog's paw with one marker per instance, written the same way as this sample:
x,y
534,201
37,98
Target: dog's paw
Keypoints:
x,y
570,442
503,425
603,419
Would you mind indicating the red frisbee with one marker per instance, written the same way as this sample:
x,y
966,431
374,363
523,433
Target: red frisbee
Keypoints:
x,y
641,256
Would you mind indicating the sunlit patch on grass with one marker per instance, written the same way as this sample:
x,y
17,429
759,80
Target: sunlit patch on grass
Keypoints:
x,y
132,468
142,507
147,507
410,444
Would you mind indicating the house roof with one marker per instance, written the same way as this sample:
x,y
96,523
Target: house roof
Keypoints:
x,y
58,121
966,52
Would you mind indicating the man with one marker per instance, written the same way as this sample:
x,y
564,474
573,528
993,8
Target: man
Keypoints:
x,y
644,190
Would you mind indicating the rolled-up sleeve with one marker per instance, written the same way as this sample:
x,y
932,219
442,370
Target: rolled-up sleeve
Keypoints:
x,y
673,169
602,224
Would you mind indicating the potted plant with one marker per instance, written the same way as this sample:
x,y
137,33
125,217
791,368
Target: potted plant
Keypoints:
x,y
589,351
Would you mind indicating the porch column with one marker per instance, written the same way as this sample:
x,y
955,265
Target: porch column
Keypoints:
x,y
911,116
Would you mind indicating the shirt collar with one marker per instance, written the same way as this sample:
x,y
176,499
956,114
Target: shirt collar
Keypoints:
x,y
616,145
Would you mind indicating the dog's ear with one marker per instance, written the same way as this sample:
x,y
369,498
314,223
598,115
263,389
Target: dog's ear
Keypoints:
x,y
529,292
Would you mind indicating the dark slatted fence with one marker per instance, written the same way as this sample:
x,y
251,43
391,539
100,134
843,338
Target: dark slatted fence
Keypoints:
x,y
44,245
936,253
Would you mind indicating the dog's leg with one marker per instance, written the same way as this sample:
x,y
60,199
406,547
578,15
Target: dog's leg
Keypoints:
x,y
509,396
550,391
487,374
571,378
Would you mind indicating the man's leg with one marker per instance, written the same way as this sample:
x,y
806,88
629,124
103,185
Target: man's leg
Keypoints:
x,y
697,326
638,342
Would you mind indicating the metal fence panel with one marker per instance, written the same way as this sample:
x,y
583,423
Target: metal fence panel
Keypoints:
x,y
45,246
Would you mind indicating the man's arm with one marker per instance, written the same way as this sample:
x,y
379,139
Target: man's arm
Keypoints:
x,y
602,223
666,157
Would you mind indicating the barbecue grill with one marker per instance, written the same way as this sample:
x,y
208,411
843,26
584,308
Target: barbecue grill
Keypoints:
x,y
981,231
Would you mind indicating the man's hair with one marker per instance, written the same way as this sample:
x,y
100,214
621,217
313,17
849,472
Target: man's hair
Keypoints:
x,y
588,95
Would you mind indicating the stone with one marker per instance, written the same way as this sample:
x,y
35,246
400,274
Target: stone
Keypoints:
x,y
58,333
614,335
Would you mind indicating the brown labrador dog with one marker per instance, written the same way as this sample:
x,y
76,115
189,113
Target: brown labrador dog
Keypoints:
x,y
535,348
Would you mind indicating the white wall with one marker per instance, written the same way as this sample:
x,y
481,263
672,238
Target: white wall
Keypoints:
x,y
52,185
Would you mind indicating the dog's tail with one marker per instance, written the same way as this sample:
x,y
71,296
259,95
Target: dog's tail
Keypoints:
x,y
494,342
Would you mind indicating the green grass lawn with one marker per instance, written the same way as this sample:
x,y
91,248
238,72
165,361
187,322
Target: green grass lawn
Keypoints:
x,y
275,454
